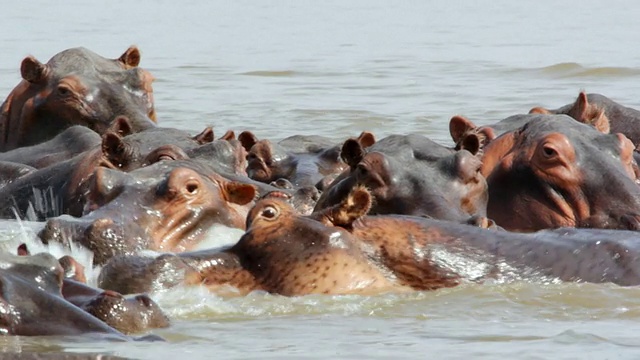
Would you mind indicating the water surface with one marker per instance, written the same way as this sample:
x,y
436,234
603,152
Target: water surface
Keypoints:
x,y
335,68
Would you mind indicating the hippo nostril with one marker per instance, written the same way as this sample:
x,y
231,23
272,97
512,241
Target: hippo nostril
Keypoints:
x,y
144,300
112,294
192,188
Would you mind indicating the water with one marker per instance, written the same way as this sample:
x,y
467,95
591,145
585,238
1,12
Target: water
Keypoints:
x,y
335,68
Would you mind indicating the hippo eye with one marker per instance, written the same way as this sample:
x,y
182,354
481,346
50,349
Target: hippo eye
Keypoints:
x,y
549,152
362,169
269,212
64,90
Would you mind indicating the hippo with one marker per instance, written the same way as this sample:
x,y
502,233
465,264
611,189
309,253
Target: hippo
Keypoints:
x,y
75,87
129,315
49,191
133,314
71,142
32,303
11,171
167,206
412,175
302,160
556,172
343,251
621,119
226,156
467,135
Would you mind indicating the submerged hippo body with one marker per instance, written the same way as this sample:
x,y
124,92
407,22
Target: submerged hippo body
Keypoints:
x,y
69,143
412,175
288,254
621,119
10,172
168,206
76,87
32,302
556,172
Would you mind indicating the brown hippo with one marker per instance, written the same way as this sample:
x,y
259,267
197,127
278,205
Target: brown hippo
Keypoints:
x,y
556,172
49,192
32,302
168,206
467,135
76,87
133,314
621,119
302,160
341,251
129,315
412,175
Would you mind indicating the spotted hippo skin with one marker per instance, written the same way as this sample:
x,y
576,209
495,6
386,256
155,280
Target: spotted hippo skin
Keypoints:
x,y
302,160
621,119
342,251
412,175
75,87
167,206
556,172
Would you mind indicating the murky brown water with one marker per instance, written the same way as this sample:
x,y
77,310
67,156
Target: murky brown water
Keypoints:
x,y
336,68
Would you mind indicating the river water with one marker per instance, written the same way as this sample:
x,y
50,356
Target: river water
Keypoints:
x,y
335,68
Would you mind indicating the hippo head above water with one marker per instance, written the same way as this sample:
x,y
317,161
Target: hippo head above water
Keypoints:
x,y
555,172
412,175
167,206
76,87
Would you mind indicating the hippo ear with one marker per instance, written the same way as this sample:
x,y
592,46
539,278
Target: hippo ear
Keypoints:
x,y
229,135
121,126
539,110
471,143
459,126
113,148
205,137
239,193
23,250
590,114
352,152
33,70
356,205
131,57
601,122
247,139
366,139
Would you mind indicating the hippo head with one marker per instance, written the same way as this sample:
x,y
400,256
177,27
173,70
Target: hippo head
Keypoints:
x,y
291,254
266,161
583,111
555,172
167,206
127,151
76,87
439,183
129,315
226,155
